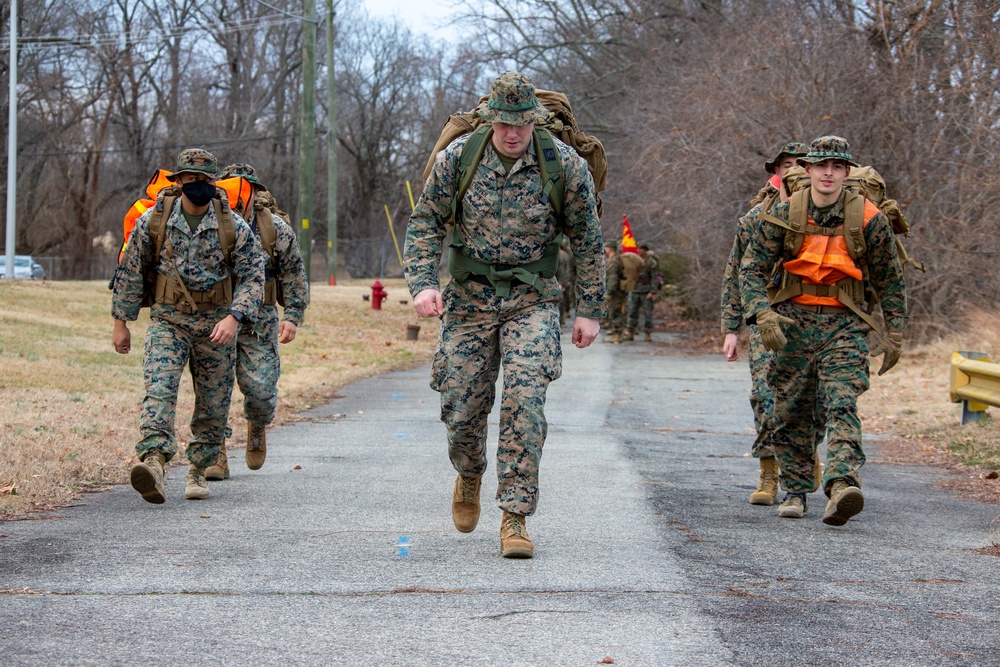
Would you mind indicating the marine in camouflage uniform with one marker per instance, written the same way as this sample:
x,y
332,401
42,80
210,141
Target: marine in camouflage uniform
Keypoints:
x,y
614,324
258,364
640,299
203,338
821,352
505,221
566,275
761,398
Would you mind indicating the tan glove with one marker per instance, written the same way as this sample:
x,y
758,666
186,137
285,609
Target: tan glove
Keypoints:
x,y
892,347
769,323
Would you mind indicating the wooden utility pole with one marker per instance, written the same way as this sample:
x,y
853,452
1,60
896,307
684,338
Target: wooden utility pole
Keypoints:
x,y
331,149
307,134
12,148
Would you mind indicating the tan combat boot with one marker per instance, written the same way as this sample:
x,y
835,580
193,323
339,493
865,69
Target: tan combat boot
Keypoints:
x,y
197,486
514,540
767,487
465,503
628,336
147,477
256,446
817,472
793,506
615,338
220,469
845,501
648,338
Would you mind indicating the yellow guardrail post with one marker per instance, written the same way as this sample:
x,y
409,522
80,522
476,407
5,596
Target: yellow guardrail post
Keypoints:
x,y
975,383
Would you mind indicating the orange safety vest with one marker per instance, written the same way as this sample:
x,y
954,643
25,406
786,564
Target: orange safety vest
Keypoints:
x,y
824,259
156,183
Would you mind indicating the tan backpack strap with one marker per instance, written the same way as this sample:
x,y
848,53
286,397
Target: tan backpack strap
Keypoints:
x,y
227,228
268,233
854,230
158,222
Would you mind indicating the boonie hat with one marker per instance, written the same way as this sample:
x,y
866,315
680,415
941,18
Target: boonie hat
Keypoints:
x,y
196,160
791,149
246,171
513,101
828,148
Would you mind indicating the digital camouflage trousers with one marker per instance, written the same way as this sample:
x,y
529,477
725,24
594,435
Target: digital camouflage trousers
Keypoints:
x,y
171,343
480,333
816,379
258,367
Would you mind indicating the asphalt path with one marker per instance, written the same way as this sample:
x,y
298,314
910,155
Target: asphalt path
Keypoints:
x,y
341,550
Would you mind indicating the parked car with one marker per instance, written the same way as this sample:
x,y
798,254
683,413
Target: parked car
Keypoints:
x,y
25,267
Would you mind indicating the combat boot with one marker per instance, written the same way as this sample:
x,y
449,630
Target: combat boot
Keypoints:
x,y
793,506
767,488
220,469
613,338
514,540
256,446
628,336
465,503
648,337
197,486
845,501
147,477
817,472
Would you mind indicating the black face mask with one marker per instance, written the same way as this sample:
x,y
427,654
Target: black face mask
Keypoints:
x,y
198,193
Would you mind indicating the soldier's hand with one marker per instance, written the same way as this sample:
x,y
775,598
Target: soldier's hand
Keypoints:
x,y
585,330
224,332
428,303
121,337
286,332
892,347
730,347
769,323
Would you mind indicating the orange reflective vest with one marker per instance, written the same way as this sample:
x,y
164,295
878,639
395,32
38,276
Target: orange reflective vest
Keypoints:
x,y
824,259
826,266
156,183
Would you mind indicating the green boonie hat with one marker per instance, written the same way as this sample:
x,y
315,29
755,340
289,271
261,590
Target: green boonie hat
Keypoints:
x,y
195,160
512,101
611,244
828,148
791,149
246,171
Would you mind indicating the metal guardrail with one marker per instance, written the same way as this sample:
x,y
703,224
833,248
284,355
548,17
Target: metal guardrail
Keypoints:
x,y
975,383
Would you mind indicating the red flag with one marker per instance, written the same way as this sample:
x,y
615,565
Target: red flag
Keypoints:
x,y
628,241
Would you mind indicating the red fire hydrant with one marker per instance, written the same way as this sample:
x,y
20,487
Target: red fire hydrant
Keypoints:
x,y
378,295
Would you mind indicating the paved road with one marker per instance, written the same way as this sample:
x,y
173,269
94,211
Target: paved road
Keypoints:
x,y
340,551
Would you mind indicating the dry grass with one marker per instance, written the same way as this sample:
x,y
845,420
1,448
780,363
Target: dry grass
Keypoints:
x,y
69,415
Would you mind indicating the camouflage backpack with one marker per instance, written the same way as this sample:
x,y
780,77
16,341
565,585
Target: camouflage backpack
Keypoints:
x,y
560,124
867,182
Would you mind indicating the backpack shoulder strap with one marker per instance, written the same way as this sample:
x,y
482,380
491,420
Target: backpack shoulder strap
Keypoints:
x,y
158,220
854,235
472,153
550,169
227,228
268,233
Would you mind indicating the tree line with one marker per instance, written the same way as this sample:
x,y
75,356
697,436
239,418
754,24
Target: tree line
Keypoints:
x,y
689,97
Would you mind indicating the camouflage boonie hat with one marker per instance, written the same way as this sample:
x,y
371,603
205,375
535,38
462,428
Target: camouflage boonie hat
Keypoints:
x,y
246,171
828,148
791,149
195,160
512,101
611,244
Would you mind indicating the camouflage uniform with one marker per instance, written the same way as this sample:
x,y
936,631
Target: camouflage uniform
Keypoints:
x,y
761,398
258,365
566,275
505,221
175,338
824,365
639,298
615,322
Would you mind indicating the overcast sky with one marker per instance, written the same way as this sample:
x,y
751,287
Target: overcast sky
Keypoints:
x,y
420,15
